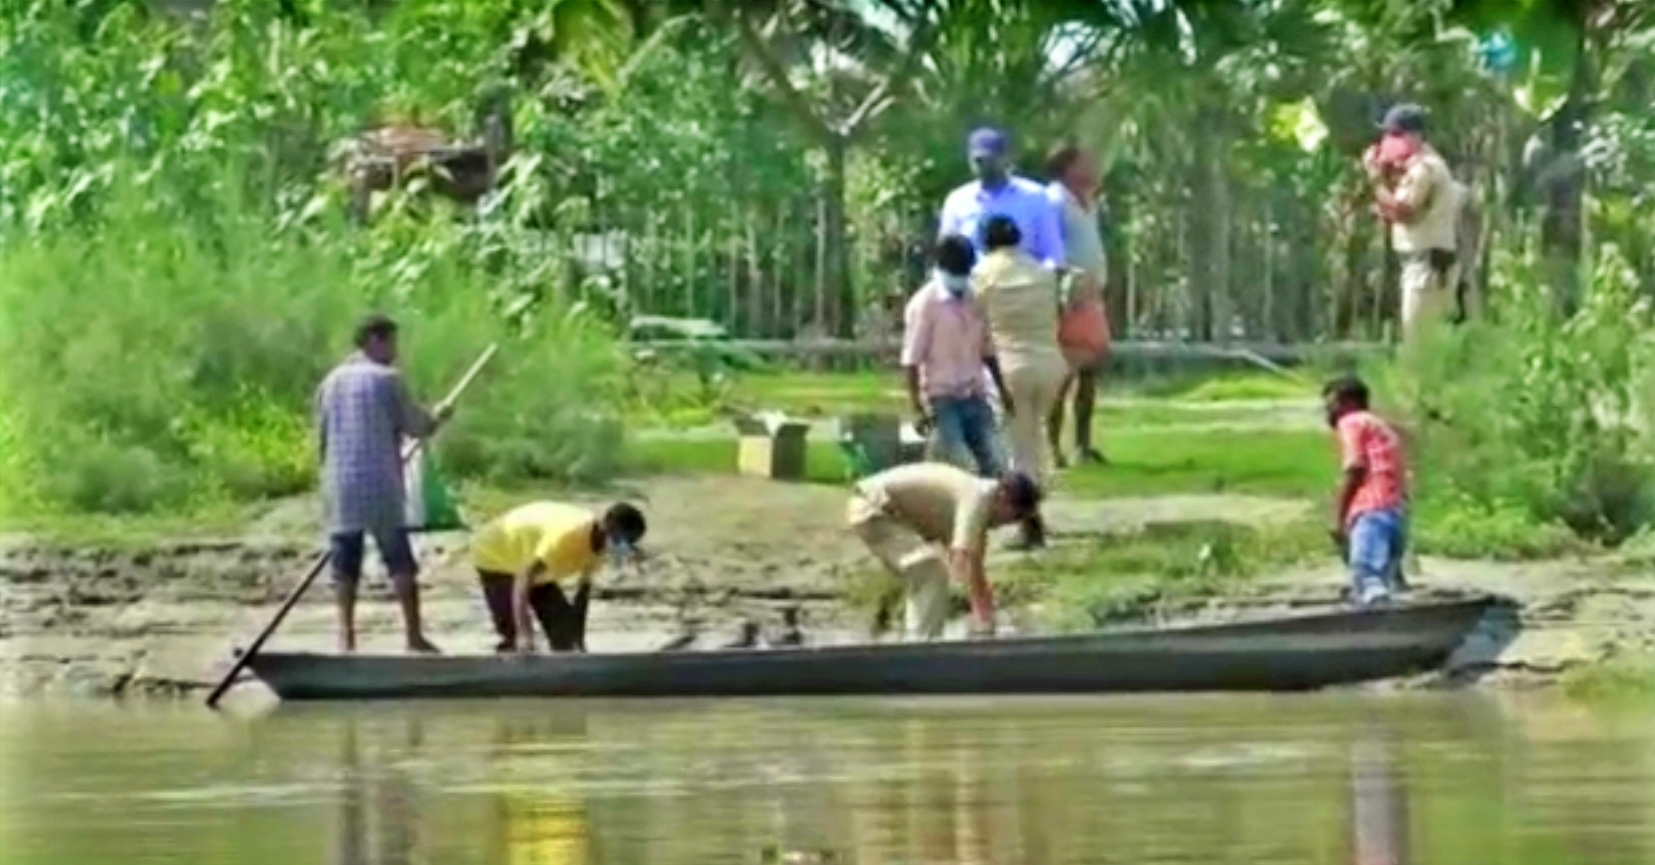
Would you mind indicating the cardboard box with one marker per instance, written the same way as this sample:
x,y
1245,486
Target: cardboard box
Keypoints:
x,y
881,441
771,447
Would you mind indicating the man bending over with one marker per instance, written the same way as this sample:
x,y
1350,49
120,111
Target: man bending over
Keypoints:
x,y
524,557
901,512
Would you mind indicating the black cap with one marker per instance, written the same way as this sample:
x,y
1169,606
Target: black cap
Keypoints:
x,y
1406,117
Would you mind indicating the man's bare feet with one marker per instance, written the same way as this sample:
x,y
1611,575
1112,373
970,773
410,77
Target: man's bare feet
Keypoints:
x,y
422,646
1091,456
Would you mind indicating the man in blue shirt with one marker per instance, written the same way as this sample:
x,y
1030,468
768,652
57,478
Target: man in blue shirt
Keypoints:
x,y
997,191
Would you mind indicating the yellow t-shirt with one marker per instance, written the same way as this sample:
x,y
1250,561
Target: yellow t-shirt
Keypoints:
x,y
547,831
556,534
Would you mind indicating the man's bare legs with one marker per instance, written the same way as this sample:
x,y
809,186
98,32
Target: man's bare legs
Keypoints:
x,y
1086,394
407,592
1085,383
397,551
344,594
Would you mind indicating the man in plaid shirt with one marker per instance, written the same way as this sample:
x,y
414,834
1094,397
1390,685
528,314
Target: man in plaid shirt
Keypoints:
x,y
363,413
1371,508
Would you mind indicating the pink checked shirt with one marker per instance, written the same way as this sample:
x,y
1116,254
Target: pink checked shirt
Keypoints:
x,y
947,339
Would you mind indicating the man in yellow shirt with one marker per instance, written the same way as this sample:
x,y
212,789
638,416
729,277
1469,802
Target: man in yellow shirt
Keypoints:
x,y
524,554
901,512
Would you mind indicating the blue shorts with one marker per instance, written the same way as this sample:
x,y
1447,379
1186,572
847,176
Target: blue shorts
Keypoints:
x,y
395,550
1378,541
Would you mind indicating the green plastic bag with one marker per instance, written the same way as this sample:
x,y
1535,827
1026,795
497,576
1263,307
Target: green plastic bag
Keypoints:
x,y
429,504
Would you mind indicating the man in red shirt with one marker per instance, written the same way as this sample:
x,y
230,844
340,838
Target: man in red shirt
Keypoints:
x,y
1371,508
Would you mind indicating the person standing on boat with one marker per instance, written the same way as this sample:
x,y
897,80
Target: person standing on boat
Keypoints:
x,y
1370,519
363,414
1020,298
900,512
945,348
524,555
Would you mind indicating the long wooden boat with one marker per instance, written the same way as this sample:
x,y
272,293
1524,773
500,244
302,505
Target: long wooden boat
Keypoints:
x,y
1280,654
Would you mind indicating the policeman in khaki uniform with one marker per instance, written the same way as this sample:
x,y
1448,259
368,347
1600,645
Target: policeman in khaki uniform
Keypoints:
x,y
1417,194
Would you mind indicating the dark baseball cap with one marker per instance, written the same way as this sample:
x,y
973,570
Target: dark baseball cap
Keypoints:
x,y
1406,117
988,141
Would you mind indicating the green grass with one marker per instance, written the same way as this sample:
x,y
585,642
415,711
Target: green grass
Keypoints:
x,y
1098,580
1184,399
1104,579
131,531
1620,679
1144,463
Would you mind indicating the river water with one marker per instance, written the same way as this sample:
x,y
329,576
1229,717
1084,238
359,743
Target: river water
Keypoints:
x,y
1456,778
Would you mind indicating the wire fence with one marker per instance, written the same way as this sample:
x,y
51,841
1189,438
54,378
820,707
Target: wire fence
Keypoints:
x,y
760,271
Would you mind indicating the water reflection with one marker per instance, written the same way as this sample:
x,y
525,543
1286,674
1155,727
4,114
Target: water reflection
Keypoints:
x,y
1287,781
539,824
890,787
1378,799
378,802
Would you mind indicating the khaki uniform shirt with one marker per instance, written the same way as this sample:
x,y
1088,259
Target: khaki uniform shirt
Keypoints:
x,y
1429,188
1020,299
941,503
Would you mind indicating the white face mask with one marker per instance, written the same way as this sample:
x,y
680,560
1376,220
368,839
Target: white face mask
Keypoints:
x,y
956,285
618,550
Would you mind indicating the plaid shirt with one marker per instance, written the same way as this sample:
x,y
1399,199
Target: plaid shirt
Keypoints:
x,y
363,413
1367,441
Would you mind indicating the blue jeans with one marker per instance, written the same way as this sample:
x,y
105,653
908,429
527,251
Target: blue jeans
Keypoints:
x,y
968,422
1378,540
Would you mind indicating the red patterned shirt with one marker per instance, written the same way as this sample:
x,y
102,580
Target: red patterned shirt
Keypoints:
x,y
1368,442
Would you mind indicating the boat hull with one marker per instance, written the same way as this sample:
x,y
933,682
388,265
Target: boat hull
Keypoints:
x,y
1283,654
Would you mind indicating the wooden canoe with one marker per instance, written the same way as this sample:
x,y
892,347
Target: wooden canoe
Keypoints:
x,y
1280,654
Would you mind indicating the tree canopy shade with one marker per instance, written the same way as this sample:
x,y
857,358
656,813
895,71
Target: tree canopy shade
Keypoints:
x,y
777,164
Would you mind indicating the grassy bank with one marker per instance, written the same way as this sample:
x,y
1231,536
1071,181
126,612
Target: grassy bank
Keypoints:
x,y
149,370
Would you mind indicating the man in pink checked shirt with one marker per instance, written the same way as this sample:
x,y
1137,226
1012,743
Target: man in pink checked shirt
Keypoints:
x,y
945,348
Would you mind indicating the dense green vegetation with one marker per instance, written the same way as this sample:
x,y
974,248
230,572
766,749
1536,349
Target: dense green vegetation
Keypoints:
x,y
176,268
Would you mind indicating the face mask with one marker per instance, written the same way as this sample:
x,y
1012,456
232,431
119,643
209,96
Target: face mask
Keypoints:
x,y
618,550
956,285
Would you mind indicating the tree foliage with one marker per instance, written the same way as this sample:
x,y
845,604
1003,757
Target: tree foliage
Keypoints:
x,y
777,166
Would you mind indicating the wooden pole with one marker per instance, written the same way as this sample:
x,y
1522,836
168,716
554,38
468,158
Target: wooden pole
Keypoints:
x,y
316,567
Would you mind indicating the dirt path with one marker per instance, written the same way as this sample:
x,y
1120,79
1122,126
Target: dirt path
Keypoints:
x,y
165,618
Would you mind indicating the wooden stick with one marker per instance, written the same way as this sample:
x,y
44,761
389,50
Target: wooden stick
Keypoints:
x,y
316,567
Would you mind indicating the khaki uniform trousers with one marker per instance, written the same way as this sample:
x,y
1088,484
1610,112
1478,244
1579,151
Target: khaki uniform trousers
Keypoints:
x,y
1035,384
912,560
1427,293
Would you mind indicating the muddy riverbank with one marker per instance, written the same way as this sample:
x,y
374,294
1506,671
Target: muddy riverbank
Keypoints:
x,y
164,617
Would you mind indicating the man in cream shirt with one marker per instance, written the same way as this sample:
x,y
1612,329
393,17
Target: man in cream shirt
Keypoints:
x,y
1417,194
903,513
1019,297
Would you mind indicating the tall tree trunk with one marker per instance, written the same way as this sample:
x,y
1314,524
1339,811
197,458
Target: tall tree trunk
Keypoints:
x,y
1565,189
842,307
1210,229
